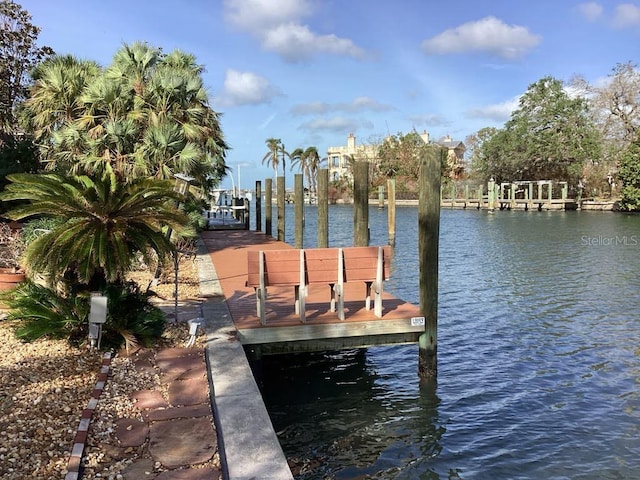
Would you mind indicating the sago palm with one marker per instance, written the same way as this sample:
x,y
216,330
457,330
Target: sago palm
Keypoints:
x,y
104,224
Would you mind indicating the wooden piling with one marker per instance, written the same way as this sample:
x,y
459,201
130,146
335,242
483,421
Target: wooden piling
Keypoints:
x,y
391,210
280,193
428,238
298,189
268,206
491,192
323,207
361,204
258,206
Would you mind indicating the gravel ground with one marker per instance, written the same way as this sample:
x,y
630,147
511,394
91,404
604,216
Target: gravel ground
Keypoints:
x,y
45,385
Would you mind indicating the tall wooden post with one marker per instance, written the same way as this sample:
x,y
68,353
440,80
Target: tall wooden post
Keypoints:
x,y
491,191
323,207
268,206
258,206
361,204
428,238
391,210
280,199
298,189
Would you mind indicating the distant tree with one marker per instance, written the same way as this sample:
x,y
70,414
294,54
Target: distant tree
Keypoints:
x,y
400,155
615,106
307,161
482,160
273,156
549,136
629,174
18,55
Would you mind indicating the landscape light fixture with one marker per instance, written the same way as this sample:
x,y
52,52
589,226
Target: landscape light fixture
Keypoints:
x,y
97,317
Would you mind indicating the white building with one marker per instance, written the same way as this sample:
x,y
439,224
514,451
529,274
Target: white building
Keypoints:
x,y
339,159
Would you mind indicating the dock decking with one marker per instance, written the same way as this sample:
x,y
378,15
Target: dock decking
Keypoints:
x,y
284,332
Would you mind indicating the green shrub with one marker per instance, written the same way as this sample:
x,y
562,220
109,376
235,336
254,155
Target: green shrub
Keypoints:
x,y
131,318
42,312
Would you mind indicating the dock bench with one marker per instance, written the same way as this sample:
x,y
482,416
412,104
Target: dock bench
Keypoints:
x,y
333,267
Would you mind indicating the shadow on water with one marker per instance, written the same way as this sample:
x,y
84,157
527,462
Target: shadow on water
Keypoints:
x,y
340,415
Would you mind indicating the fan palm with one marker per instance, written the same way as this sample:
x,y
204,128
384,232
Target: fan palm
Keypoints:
x,y
147,114
103,223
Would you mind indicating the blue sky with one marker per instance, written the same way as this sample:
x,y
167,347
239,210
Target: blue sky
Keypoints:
x,y
312,71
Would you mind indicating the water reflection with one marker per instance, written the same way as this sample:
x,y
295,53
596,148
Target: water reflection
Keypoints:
x,y
539,363
357,410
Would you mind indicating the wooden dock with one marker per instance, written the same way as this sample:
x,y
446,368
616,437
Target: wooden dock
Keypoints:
x,y
401,322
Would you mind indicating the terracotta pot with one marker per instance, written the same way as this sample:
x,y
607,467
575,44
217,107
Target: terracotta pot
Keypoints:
x,y
10,278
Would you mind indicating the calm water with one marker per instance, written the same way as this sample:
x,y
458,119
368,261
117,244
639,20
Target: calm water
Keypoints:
x,y
538,357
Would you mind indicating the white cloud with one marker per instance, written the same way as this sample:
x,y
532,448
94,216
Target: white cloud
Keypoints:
x,y
430,120
626,15
358,104
258,15
498,111
591,10
278,26
296,43
337,124
488,34
245,88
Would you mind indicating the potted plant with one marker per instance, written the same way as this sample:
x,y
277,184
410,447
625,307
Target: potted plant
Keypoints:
x,y
12,247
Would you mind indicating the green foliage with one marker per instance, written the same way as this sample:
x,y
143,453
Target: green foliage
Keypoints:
x,y
400,157
147,114
17,156
272,157
629,174
104,225
39,226
43,312
131,318
548,137
18,54
308,161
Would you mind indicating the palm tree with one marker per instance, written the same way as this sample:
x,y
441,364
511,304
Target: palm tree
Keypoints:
x,y
313,163
55,97
299,159
147,114
272,157
102,225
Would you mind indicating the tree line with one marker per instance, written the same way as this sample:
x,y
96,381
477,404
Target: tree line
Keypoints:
x,y
587,135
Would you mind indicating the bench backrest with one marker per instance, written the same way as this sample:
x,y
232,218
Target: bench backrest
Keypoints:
x,y
361,263
282,267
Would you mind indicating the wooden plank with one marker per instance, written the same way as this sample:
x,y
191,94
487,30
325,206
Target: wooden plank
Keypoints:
x,y
328,344
361,263
308,331
282,267
322,265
